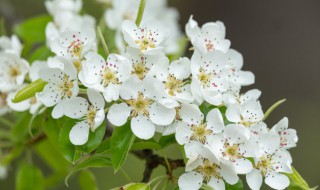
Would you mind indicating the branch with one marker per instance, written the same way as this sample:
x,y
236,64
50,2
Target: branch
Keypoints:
x,y
153,161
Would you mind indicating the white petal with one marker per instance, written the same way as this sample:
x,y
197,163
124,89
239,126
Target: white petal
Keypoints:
x,y
99,119
269,142
118,114
233,113
254,179
57,111
183,133
95,98
79,134
130,88
154,88
216,184
35,68
180,68
75,107
229,174
190,181
112,92
242,166
196,91
51,74
215,120
191,114
142,127
281,125
161,115
130,31
277,180
236,133
20,107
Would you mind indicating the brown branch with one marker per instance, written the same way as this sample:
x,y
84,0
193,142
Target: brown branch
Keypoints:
x,y
153,161
36,139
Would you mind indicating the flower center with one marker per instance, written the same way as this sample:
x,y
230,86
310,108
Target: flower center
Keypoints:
x,y
75,48
146,40
14,71
90,116
209,45
109,76
200,133
264,165
66,87
140,105
173,85
209,170
140,70
3,99
33,100
232,152
246,123
204,78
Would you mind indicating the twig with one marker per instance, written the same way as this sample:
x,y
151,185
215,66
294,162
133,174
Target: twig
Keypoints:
x,y
153,161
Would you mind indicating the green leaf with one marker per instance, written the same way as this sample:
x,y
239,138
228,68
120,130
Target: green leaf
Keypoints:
x,y
33,30
183,43
41,53
94,140
87,181
67,149
104,146
51,128
297,182
274,106
134,186
96,161
165,141
145,144
20,132
121,141
29,91
237,186
29,177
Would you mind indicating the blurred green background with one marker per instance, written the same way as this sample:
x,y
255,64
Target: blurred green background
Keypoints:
x,y
280,42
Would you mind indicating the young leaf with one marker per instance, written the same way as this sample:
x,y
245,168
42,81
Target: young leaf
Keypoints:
x,y
121,141
134,186
29,91
96,161
19,132
237,186
297,182
29,177
32,30
104,146
145,144
165,141
41,53
67,149
87,181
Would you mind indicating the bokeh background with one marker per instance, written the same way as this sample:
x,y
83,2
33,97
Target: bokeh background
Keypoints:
x,y
280,42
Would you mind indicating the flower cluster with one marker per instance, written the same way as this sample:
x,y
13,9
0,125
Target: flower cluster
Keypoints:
x,y
197,99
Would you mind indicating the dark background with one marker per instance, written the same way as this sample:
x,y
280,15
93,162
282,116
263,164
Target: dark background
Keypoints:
x,y
280,42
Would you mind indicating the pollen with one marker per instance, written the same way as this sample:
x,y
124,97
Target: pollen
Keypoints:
x,y
140,105
173,85
209,170
200,133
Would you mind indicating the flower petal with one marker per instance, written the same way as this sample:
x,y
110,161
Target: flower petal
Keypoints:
x,y
191,114
216,184
215,120
142,127
76,107
190,181
254,179
95,98
79,134
118,114
180,68
277,180
161,115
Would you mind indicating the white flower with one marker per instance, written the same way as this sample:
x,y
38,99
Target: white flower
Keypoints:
x,y
234,148
207,169
174,78
10,45
91,115
247,114
105,76
31,104
57,6
141,107
237,98
208,38
74,44
13,70
288,137
147,38
194,130
235,74
144,65
271,167
62,85
208,77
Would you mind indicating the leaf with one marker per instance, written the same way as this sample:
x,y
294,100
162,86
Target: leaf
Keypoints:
x,y
32,30
121,141
297,182
41,53
94,140
274,106
237,186
134,186
29,91
20,132
96,161
87,181
29,177
67,149
51,128
165,141
145,144
104,146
